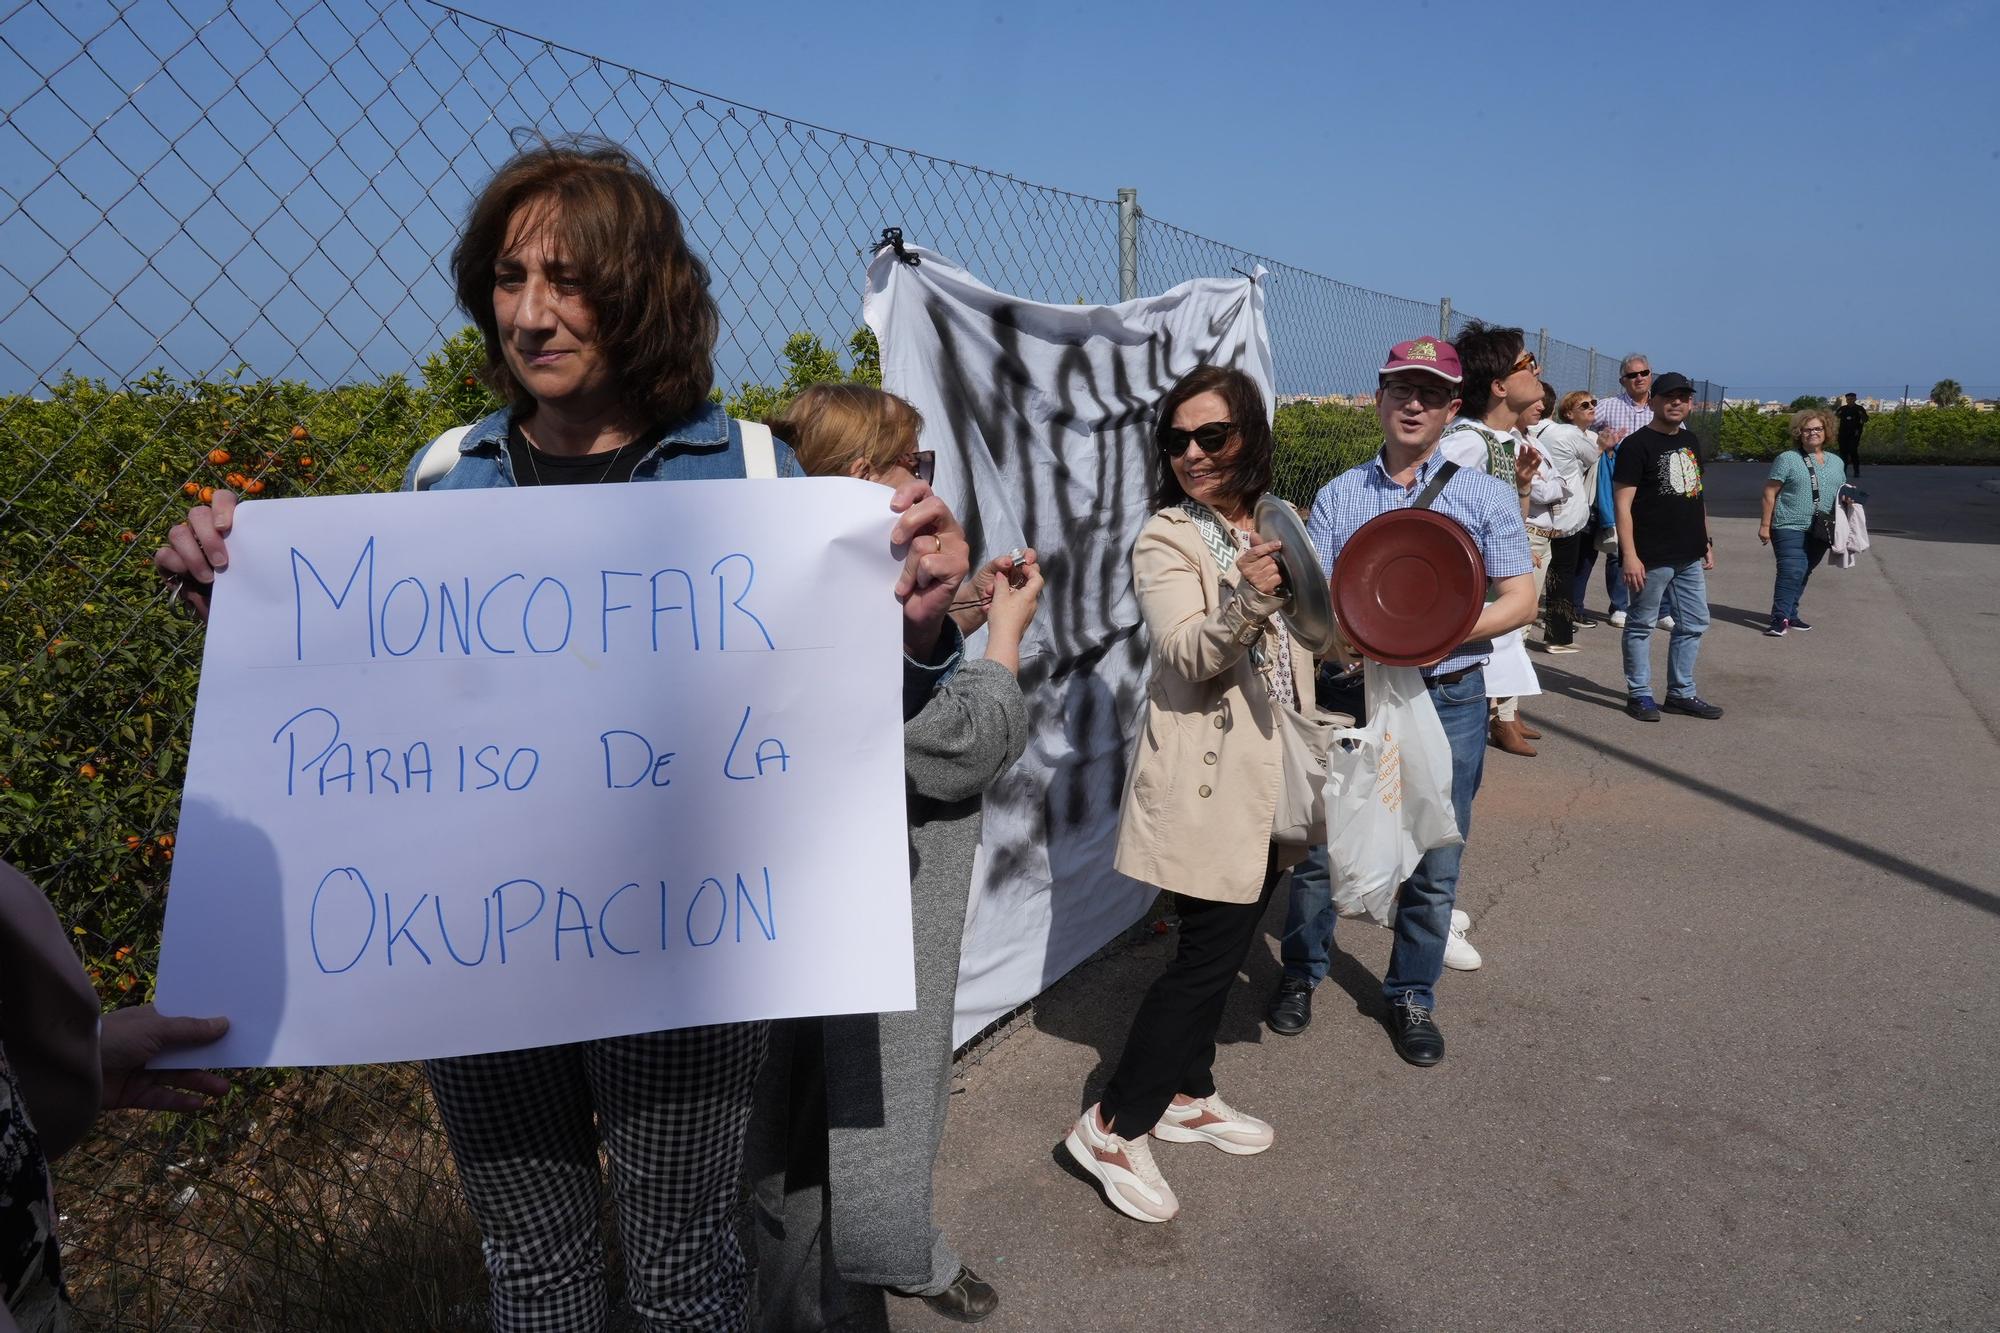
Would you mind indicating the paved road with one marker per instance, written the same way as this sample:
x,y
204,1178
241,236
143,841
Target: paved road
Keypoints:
x,y
1730,1064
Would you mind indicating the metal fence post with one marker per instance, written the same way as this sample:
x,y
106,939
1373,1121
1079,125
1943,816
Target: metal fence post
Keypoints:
x,y
1542,348
1444,319
1128,243
1592,386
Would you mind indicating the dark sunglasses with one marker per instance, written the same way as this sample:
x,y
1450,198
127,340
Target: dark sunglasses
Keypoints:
x,y
1635,374
1212,437
922,464
1589,403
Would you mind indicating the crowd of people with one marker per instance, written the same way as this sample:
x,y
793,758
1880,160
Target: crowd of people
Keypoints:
x,y
831,1126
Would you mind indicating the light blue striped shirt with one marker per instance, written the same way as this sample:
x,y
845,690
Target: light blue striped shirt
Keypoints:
x,y
1484,506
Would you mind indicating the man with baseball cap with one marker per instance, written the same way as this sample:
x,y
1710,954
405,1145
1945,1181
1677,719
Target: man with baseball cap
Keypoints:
x,y
1663,550
1417,393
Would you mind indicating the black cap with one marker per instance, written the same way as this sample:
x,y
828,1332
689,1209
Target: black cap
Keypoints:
x,y
1673,382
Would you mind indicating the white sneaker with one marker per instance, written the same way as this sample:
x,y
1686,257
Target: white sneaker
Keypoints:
x,y
1124,1168
1618,619
1460,920
1211,1120
1664,622
1459,955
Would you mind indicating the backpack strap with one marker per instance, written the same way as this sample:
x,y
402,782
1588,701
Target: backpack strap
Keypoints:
x,y
439,457
760,459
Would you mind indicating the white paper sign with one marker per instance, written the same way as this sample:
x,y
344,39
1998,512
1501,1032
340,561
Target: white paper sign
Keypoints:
x,y
482,770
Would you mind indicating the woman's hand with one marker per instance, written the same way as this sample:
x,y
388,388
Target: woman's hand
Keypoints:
x,y
934,567
131,1037
971,612
1014,601
1527,462
1260,568
195,551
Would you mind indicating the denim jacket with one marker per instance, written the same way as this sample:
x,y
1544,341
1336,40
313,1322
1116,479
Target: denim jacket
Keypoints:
x,y
707,446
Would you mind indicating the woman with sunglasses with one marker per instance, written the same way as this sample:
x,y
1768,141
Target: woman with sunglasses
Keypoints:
x,y
1570,449
1202,790
851,1107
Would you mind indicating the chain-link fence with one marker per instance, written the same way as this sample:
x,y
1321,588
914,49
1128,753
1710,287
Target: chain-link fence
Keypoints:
x,y
223,241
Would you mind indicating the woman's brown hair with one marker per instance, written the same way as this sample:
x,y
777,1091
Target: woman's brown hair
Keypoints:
x,y
1250,469
829,426
622,237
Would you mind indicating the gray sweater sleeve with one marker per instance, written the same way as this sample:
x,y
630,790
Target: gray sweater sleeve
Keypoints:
x,y
970,732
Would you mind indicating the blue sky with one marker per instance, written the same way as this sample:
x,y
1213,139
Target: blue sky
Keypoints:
x,y
1823,212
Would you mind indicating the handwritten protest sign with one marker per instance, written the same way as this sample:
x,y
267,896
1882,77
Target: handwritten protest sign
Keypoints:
x,y
481,770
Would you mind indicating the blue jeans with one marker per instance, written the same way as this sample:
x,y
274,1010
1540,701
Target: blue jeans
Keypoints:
x,y
1423,905
1687,587
1798,556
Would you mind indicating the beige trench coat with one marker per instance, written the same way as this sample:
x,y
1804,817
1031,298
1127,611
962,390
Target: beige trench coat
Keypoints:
x,y
1202,789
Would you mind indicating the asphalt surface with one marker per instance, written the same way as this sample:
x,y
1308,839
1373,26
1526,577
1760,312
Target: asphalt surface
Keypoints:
x,y
1731,1060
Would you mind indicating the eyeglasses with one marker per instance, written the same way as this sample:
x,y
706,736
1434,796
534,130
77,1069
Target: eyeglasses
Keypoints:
x,y
1635,374
921,464
1430,395
1213,437
1526,361
1813,430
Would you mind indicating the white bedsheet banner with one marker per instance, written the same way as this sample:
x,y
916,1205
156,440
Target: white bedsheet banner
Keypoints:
x,y
478,770
1041,418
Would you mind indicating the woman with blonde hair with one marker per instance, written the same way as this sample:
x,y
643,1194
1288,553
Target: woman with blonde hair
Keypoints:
x,y
1571,449
851,1107
1797,522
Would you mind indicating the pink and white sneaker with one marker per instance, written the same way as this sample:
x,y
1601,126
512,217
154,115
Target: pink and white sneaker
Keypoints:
x,y
1124,1168
1212,1120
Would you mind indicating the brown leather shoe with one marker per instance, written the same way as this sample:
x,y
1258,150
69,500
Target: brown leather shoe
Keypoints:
x,y
1527,730
1507,736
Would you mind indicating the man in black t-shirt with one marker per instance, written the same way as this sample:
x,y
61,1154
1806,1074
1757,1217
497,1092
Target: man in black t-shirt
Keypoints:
x,y
1663,543
1853,419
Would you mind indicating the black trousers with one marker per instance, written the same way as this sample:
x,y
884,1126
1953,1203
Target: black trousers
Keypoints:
x,y
1564,552
1171,1047
1850,458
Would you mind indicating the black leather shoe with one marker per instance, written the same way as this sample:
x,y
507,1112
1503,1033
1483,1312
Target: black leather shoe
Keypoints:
x,y
1415,1033
967,1300
1291,1010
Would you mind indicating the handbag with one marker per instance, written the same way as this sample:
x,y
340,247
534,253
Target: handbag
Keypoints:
x,y
1303,743
1821,528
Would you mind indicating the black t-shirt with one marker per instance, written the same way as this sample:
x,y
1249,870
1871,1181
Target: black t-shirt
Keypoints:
x,y
1853,416
532,467
1669,523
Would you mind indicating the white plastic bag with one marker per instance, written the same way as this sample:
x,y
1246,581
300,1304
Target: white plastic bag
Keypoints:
x,y
1388,794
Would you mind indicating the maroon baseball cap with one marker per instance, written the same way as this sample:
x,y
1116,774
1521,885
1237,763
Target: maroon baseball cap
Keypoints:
x,y
1435,355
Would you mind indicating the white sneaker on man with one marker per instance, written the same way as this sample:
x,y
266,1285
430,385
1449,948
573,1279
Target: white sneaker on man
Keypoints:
x,y
1618,620
1124,1168
1664,622
1459,955
1211,1120
1460,919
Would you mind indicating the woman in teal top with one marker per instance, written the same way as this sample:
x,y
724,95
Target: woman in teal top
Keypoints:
x,y
1805,482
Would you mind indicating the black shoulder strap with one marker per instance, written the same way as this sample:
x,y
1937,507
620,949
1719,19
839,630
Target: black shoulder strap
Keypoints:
x,y
1446,470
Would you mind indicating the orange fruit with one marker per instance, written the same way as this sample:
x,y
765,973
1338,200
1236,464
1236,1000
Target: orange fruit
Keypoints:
x,y
128,536
87,770
300,433
207,493
165,840
133,841
305,460
471,381
190,488
254,486
218,456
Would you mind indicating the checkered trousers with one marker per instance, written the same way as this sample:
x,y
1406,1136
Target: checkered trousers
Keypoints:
x,y
671,1108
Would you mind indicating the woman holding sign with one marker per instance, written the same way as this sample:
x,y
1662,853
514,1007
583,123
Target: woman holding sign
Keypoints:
x,y
1202,793
851,1109
599,332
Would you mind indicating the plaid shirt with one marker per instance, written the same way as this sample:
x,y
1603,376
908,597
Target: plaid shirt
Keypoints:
x,y
1487,509
1621,414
